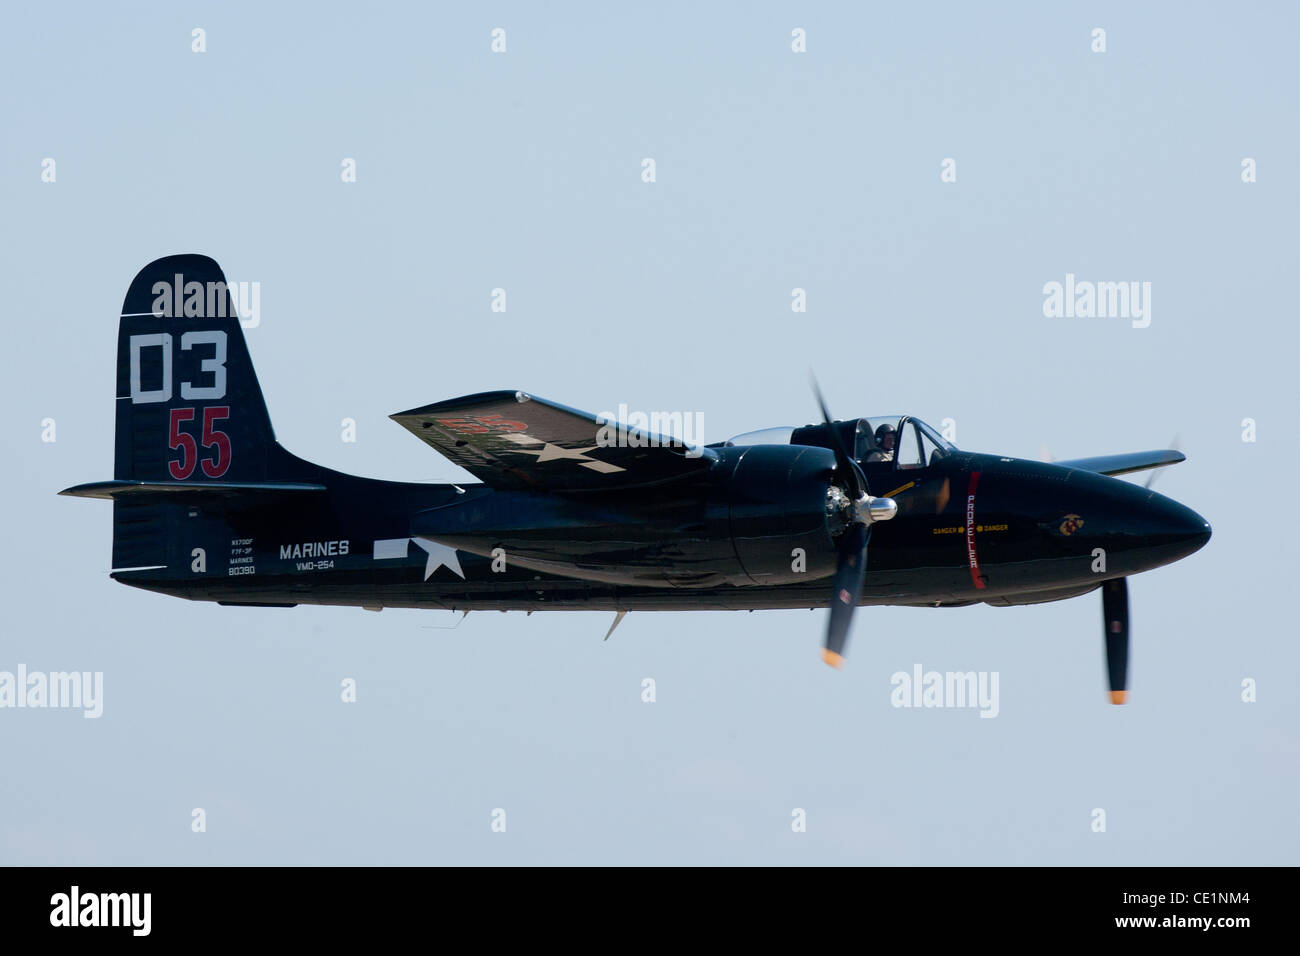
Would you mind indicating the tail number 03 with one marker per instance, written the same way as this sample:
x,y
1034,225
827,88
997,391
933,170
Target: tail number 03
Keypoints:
x,y
214,365
213,467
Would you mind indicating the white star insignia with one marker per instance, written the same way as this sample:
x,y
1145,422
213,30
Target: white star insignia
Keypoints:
x,y
439,556
552,452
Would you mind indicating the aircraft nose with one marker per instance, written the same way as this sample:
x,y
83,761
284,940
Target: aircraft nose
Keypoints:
x,y
1180,522
1170,530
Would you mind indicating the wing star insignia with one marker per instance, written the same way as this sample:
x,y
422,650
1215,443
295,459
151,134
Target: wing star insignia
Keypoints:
x,y
552,452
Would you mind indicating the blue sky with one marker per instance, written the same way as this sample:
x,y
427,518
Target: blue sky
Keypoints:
x,y
774,171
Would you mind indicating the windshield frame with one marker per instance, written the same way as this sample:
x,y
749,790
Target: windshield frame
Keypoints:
x,y
933,435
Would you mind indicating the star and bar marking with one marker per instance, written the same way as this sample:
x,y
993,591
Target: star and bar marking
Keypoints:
x,y
439,555
552,452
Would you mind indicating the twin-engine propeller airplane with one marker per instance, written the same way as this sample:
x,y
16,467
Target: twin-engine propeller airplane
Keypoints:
x,y
882,510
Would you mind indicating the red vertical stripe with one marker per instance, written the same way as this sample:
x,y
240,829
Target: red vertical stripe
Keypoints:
x,y
970,531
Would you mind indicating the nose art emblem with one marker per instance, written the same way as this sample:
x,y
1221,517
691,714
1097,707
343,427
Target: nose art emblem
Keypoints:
x,y
1070,524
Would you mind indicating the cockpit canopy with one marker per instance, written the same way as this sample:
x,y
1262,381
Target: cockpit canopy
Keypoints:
x,y
906,441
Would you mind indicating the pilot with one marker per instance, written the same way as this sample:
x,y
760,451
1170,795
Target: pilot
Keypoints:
x,y
885,439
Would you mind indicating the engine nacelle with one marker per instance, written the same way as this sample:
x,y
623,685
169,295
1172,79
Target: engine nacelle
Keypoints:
x,y
777,497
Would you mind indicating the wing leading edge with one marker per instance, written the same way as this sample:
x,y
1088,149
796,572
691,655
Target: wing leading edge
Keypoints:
x,y
512,440
1126,463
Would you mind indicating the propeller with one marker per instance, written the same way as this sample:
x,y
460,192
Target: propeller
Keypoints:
x,y
1114,609
850,569
846,466
1176,445
1114,612
859,511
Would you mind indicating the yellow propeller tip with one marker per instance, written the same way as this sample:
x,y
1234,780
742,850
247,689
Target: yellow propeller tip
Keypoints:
x,y
830,657
1118,696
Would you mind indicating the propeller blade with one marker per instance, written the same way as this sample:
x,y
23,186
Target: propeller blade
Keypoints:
x,y
1176,445
1114,610
850,570
848,467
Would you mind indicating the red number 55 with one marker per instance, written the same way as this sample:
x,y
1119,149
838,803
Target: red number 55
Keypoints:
x,y
183,467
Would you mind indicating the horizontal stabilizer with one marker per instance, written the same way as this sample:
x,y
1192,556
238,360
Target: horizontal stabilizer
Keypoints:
x,y
117,489
1125,463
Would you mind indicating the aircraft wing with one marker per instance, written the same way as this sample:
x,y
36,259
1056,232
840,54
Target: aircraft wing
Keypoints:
x,y
1125,463
512,440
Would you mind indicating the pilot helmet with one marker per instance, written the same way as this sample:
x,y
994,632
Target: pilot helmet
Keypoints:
x,y
882,431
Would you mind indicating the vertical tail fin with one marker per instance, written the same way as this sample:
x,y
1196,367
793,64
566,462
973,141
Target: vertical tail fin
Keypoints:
x,y
188,403
194,451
